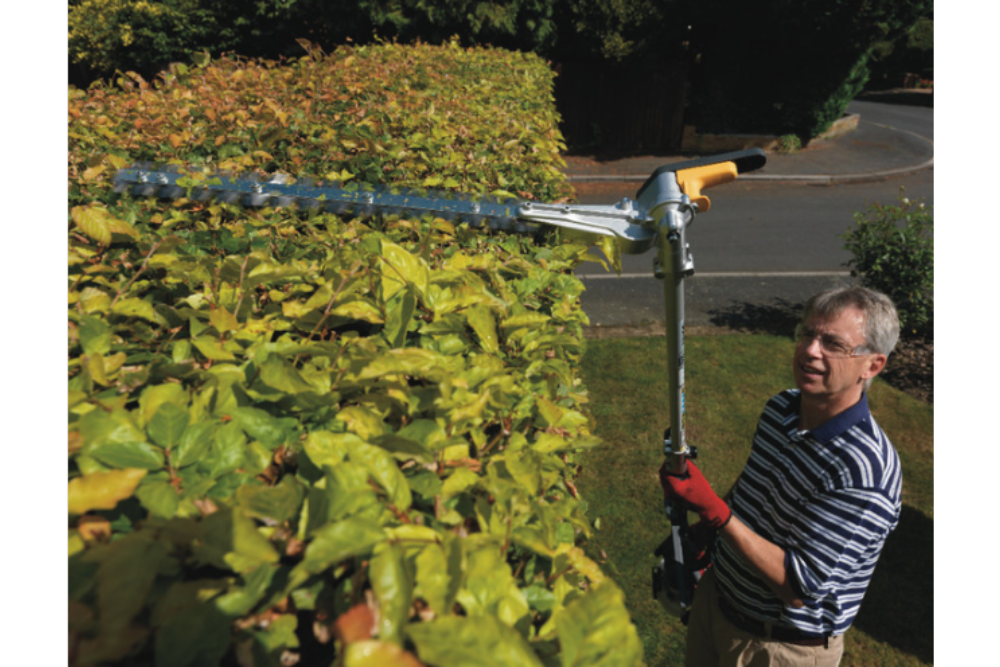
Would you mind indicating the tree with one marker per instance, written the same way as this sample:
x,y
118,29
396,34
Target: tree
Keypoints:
x,y
784,66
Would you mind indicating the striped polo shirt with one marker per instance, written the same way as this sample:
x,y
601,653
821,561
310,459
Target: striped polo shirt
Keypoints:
x,y
829,497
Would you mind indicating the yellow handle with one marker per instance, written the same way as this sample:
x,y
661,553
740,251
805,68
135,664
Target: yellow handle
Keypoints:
x,y
693,181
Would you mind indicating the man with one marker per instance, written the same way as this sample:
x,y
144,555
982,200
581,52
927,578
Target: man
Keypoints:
x,y
803,527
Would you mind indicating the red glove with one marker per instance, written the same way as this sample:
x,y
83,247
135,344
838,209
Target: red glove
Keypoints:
x,y
693,491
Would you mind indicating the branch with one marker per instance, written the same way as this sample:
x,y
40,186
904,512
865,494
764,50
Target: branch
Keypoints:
x,y
145,263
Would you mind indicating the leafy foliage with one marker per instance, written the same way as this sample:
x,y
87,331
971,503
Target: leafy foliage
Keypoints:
x,y
621,30
808,60
145,36
115,35
892,250
296,436
911,53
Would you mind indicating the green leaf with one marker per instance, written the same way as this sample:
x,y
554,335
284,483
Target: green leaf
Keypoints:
x,y
278,503
168,425
489,587
241,600
411,361
212,348
136,307
385,471
274,638
466,641
357,308
330,449
399,269
230,540
439,573
155,396
223,320
263,426
279,374
348,493
129,455
159,497
325,448
227,451
99,427
393,587
458,482
399,312
337,542
595,629
193,444
95,335
480,318
425,483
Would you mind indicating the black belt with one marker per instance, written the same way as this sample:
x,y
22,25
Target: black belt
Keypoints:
x,y
758,628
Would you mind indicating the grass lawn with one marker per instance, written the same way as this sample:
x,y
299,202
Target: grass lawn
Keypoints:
x,y
728,380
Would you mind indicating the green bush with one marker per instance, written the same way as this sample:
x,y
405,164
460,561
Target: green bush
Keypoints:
x,y
295,436
106,36
892,250
145,36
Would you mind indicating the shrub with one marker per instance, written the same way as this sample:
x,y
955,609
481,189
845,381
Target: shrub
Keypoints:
x,y
892,251
296,436
110,35
106,36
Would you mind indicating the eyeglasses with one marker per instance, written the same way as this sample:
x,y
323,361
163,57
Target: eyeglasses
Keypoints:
x,y
831,346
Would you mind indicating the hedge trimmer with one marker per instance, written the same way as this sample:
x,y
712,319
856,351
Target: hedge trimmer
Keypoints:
x,y
664,207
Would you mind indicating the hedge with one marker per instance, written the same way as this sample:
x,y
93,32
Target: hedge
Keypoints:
x,y
297,437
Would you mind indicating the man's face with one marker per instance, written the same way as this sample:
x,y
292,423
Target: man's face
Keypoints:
x,y
825,365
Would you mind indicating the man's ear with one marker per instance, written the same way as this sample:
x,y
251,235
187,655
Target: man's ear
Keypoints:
x,y
874,366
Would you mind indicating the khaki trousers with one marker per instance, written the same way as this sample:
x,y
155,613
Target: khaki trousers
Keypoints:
x,y
712,641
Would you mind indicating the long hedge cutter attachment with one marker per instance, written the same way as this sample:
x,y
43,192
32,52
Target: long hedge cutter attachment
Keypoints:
x,y
664,207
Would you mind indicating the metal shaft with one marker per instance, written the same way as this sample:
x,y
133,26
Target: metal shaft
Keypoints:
x,y
676,264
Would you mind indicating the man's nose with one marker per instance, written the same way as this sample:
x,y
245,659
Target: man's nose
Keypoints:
x,y
814,348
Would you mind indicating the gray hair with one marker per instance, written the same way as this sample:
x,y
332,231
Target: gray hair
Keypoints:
x,y
881,327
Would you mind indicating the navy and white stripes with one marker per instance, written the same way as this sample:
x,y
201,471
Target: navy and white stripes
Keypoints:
x,y
829,497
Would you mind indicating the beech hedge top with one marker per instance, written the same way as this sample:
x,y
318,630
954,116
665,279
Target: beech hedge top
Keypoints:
x,y
298,437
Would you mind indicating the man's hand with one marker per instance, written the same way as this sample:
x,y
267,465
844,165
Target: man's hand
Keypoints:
x,y
693,491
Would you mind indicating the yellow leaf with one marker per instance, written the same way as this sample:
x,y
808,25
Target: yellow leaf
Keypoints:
x,y
92,221
95,364
371,652
117,162
121,227
92,173
94,300
223,320
102,490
